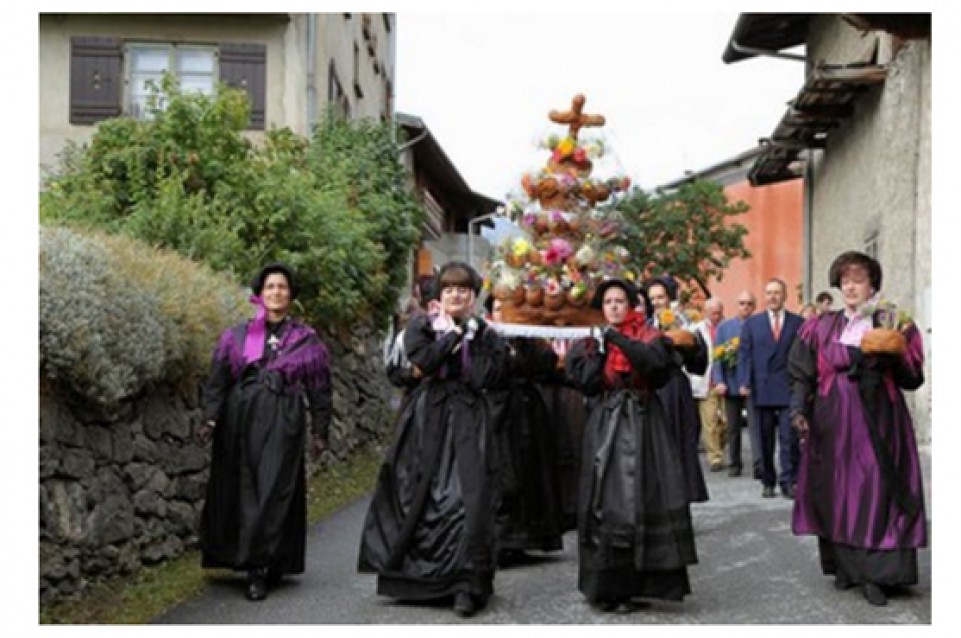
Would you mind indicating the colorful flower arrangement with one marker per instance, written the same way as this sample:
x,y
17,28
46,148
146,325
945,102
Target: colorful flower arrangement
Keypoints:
x,y
887,313
581,149
726,352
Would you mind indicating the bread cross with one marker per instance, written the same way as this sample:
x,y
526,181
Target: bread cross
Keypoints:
x,y
574,118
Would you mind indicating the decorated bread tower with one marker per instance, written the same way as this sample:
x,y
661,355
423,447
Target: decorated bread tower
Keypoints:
x,y
546,275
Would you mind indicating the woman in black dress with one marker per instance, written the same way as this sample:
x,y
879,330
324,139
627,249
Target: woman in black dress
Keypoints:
x,y
529,513
634,524
429,532
267,375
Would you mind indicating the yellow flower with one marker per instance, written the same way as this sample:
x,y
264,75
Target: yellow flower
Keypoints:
x,y
666,318
566,146
521,246
718,352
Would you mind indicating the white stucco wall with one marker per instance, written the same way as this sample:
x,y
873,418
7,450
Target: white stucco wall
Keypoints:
x,y
286,41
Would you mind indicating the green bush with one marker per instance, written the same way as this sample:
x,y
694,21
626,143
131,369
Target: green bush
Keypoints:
x,y
335,205
116,316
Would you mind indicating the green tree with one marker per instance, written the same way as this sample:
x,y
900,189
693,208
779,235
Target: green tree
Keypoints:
x,y
687,232
334,205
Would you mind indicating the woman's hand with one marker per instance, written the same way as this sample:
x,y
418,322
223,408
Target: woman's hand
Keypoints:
x,y
800,423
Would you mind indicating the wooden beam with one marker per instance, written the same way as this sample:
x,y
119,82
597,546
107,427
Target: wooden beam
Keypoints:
x,y
829,110
870,74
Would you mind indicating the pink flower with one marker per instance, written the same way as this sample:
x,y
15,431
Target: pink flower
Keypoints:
x,y
562,247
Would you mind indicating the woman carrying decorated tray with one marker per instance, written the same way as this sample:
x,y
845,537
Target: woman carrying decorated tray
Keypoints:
x,y
267,375
429,532
688,352
859,487
634,525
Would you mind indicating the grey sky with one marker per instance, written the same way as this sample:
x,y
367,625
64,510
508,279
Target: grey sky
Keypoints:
x,y
484,84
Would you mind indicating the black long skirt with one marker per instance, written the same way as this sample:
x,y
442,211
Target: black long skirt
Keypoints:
x,y
857,566
254,514
529,514
429,532
635,534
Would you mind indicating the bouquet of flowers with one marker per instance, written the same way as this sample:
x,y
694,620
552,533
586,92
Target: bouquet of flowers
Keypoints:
x,y
670,321
726,352
892,321
888,314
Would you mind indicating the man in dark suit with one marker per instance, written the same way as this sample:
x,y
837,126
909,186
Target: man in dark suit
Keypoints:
x,y
766,339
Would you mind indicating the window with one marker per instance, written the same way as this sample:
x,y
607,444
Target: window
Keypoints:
x,y
108,77
194,66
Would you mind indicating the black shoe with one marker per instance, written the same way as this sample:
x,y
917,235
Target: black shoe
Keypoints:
x,y
257,586
608,605
874,595
734,471
509,557
841,582
464,605
768,491
273,578
787,491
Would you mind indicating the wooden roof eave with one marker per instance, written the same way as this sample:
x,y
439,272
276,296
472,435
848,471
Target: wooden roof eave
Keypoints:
x,y
822,104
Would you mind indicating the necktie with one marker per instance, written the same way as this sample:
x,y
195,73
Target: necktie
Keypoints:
x,y
777,326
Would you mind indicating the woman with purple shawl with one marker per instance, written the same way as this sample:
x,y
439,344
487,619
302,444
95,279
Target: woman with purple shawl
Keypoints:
x,y
859,481
429,532
267,375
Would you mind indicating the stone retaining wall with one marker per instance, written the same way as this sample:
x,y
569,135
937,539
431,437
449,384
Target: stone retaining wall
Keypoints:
x,y
125,493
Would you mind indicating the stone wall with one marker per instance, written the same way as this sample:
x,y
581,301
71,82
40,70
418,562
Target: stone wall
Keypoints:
x,y
121,493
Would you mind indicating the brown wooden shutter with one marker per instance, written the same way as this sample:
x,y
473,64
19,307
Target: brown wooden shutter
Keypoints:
x,y
96,73
244,66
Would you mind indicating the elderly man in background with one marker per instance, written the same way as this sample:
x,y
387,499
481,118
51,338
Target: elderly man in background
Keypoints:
x,y
709,403
724,376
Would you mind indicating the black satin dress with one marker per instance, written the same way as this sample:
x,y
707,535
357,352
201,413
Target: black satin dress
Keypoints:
x,y
634,525
529,512
429,532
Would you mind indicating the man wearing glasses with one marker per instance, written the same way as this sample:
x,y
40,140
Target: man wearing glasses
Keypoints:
x,y
736,406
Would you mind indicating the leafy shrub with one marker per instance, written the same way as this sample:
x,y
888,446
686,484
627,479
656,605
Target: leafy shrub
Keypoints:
x,y
117,316
335,205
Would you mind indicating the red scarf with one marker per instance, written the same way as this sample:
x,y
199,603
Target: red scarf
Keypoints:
x,y
634,327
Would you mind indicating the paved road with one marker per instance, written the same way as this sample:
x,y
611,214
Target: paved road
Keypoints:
x,y
751,570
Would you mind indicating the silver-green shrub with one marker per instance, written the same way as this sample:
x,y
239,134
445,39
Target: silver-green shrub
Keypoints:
x,y
117,315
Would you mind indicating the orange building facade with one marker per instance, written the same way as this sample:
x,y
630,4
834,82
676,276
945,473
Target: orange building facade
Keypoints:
x,y
775,239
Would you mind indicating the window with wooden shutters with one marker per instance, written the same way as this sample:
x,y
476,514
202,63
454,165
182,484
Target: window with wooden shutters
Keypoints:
x,y
244,66
96,67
